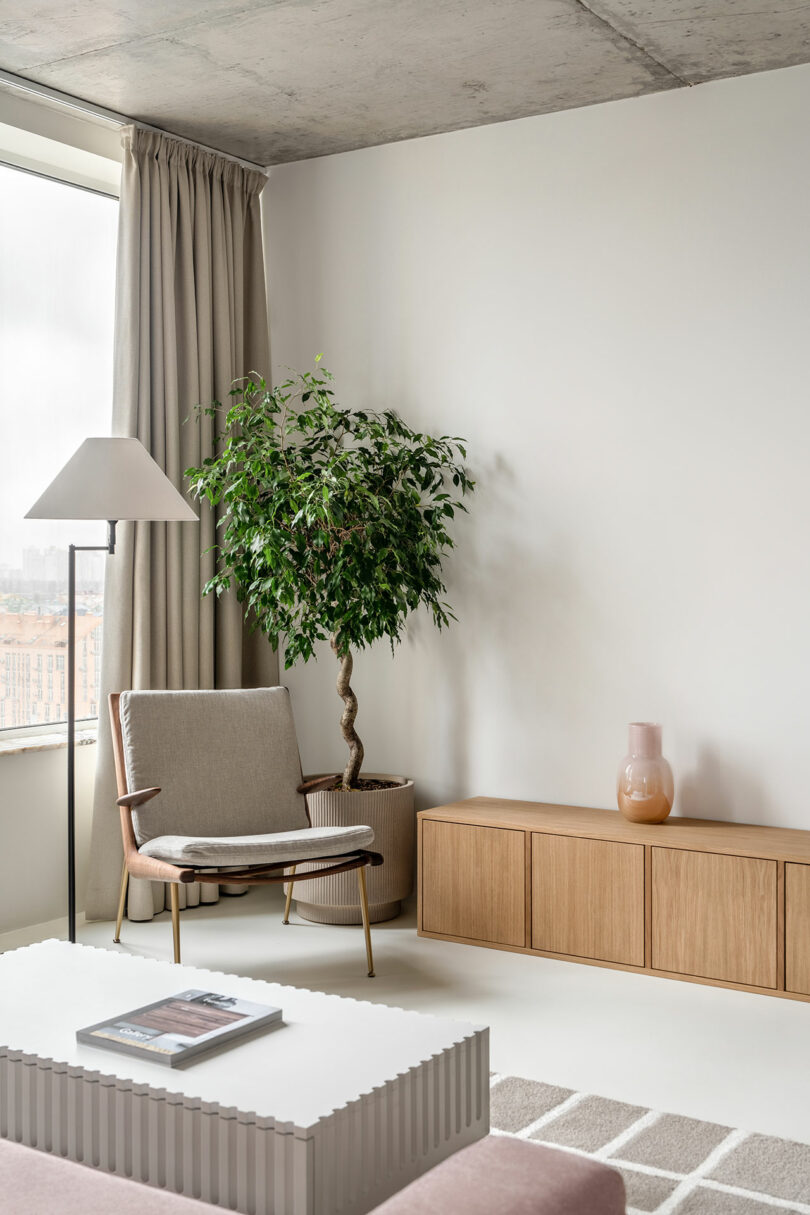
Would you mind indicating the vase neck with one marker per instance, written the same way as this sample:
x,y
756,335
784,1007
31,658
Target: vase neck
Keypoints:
x,y
645,739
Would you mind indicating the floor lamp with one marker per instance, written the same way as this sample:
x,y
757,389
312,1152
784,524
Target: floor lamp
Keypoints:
x,y
110,479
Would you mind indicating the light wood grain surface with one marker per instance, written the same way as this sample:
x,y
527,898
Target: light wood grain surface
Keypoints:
x,y
714,916
718,902
473,882
588,898
797,928
702,835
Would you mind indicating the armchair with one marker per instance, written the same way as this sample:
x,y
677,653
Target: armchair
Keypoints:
x,y
210,789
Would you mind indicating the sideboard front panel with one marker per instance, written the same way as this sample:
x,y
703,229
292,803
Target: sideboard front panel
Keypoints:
x,y
715,916
474,882
693,899
588,898
797,928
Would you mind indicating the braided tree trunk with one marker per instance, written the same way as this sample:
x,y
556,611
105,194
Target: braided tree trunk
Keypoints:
x,y
351,772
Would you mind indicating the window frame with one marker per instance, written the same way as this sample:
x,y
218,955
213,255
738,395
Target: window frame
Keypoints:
x,y
79,176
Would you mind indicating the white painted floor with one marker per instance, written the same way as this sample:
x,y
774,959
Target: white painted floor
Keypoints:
x,y
738,1059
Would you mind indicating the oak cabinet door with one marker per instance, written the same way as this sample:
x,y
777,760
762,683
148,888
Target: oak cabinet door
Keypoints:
x,y
714,916
588,898
797,928
473,882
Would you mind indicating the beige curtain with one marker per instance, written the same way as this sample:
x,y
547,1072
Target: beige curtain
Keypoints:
x,y
191,314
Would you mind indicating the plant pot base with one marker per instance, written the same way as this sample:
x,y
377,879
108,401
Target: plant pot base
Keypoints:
x,y
319,913
390,814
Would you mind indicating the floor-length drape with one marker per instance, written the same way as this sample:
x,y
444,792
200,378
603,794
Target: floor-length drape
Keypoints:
x,y
191,314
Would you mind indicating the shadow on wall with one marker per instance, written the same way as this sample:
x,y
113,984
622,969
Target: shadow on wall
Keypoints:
x,y
511,700
718,789
512,676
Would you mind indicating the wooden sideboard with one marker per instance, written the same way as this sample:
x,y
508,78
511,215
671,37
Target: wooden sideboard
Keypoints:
x,y
707,902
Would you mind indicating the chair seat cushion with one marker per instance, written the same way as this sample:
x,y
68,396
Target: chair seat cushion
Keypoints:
x,y
308,845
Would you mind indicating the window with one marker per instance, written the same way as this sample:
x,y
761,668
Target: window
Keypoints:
x,y
57,252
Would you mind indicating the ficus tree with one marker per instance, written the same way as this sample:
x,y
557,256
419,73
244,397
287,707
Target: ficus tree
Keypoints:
x,y
333,522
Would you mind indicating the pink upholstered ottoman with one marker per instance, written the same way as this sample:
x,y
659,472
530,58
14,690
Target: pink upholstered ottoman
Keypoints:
x,y
33,1183
512,1177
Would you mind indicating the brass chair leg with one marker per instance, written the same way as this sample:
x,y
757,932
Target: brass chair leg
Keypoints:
x,y
286,919
122,902
175,896
361,882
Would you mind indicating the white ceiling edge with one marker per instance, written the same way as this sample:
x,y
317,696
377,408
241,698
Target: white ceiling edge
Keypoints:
x,y
52,158
27,106
43,135
82,124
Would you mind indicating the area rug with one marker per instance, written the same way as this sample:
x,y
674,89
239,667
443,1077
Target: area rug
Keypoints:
x,y
671,1165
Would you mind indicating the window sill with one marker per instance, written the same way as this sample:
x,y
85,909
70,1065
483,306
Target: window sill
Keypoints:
x,y
44,742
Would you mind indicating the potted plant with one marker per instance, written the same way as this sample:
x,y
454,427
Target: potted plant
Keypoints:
x,y
333,526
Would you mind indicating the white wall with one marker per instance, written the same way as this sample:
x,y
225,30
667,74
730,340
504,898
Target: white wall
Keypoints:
x,y
611,304
33,834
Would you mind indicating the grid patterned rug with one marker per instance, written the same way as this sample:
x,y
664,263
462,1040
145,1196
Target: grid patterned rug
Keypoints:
x,y
671,1165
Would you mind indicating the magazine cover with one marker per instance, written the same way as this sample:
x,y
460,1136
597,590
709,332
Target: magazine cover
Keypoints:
x,y
179,1027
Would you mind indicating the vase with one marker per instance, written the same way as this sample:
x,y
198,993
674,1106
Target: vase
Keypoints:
x,y
645,787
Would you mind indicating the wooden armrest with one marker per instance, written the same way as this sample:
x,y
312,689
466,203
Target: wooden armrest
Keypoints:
x,y
318,782
137,798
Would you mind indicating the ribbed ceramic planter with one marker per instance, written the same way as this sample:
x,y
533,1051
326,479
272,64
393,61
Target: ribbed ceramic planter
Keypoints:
x,y
390,814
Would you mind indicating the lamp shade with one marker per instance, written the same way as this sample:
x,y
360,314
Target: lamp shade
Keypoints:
x,y
111,479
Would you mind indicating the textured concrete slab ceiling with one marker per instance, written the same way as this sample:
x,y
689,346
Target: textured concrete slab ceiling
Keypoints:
x,y
279,80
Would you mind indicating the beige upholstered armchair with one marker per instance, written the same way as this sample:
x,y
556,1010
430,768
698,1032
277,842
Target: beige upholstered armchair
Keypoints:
x,y
211,790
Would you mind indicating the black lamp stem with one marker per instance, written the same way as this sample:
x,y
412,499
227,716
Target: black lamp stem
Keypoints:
x,y
73,549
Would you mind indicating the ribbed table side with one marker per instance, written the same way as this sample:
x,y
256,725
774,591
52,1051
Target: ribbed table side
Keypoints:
x,y
347,1163
179,1143
369,1149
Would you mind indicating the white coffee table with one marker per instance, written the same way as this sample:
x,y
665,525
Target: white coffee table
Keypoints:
x,y
337,1109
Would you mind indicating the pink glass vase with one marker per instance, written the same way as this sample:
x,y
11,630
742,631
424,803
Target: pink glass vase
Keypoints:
x,y
645,787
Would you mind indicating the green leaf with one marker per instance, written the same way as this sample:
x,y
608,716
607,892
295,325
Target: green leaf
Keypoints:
x,y
331,522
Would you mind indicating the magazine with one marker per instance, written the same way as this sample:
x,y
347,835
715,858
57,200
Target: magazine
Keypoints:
x,y
175,1029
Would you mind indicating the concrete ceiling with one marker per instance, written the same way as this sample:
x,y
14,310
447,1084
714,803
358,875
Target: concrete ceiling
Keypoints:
x,y
280,80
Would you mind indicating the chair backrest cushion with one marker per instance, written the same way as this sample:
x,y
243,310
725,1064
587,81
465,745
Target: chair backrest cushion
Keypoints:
x,y
227,762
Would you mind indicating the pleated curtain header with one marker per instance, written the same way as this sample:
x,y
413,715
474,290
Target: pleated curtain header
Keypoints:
x,y
143,143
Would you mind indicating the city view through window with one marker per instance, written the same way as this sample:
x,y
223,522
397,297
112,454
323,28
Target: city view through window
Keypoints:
x,y
57,276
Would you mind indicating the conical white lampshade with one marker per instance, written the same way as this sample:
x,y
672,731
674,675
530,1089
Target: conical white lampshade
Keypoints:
x,y
111,479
